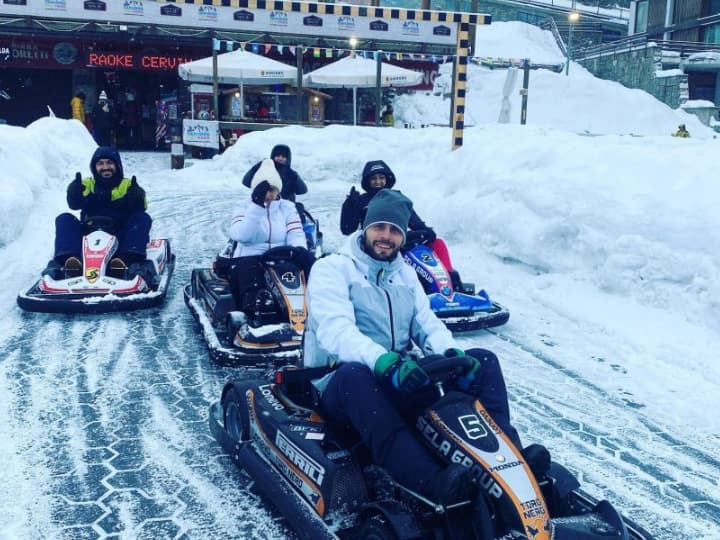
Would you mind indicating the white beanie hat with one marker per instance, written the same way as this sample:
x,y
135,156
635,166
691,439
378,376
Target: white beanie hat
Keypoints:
x,y
266,171
103,95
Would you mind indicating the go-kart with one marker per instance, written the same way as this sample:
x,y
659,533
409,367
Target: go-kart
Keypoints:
x,y
460,310
266,333
98,288
320,478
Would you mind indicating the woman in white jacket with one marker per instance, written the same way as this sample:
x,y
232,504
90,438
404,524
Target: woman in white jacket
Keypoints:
x,y
260,224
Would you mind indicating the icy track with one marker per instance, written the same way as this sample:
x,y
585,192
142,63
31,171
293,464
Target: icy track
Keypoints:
x,y
104,418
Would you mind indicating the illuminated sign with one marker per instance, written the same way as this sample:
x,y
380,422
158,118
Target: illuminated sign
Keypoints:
x,y
312,20
243,15
171,10
95,5
380,26
140,61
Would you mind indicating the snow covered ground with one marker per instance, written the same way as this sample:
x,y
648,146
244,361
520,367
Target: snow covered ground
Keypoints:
x,y
604,248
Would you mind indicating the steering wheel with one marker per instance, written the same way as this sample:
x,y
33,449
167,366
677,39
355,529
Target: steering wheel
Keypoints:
x,y
280,254
442,369
100,223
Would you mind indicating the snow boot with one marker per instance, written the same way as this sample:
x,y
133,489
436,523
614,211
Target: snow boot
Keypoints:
x,y
538,459
453,484
54,270
72,267
117,268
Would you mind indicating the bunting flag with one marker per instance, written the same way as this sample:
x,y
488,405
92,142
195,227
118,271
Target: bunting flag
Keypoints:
x,y
267,48
293,49
316,52
328,53
398,56
281,48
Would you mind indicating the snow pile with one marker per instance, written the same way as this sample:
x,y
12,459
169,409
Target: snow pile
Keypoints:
x,y
580,102
34,159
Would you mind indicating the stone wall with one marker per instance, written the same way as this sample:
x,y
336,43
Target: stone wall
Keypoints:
x,y
639,68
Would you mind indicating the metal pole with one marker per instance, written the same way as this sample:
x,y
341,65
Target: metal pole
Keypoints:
x,y
298,83
569,50
216,109
524,91
378,86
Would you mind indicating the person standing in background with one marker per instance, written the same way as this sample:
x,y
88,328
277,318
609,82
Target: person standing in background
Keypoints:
x,y
103,121
77,106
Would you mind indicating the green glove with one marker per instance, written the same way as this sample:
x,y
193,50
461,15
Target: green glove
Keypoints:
x,y
404,375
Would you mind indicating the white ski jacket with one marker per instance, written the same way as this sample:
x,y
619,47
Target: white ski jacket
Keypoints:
x,y
257,229
360,308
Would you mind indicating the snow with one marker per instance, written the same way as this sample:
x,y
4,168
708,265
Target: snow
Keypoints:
x,y
605,248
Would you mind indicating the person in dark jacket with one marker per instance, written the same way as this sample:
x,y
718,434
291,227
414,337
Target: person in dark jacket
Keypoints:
x,y
108,194
103,123
377,176
292,184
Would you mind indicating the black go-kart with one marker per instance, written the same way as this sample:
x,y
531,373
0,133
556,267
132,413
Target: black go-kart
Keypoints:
x,y
267,333
322,482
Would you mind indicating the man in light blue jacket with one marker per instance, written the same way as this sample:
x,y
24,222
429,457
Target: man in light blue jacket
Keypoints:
x,y
366,308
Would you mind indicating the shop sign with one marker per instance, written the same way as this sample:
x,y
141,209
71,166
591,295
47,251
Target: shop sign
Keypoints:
x,y
346,23
244,16
380,26
171,10
207,13
15,2
65,53
278,18
94,5
55,5
312,20
133,7
441,30
410,28
135,61
203,133
5,53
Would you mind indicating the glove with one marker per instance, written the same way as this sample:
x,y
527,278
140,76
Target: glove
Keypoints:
x,y
354,195
76,188
468,378
421,236
259,193
404,375
136,194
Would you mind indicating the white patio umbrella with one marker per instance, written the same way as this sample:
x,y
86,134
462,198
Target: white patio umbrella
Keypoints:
x,y
357,72
238,67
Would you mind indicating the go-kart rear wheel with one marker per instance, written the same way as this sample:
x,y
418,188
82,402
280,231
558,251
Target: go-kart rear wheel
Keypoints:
x,y
376,527
235,415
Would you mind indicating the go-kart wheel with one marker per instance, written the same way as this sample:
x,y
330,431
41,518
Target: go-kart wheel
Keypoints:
x,y
233,322
376,528
235,415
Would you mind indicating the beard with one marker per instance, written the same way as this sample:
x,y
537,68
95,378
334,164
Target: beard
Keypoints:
x,y
381,250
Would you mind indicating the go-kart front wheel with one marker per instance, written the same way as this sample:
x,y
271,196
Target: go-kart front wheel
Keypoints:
x,y
235,415
376,527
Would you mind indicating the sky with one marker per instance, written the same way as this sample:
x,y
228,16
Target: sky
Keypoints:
x,y
592,224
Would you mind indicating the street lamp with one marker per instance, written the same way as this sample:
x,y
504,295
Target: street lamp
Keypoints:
x,y
572,19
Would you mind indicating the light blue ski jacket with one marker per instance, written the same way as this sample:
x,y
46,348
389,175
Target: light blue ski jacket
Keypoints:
x,y
360,308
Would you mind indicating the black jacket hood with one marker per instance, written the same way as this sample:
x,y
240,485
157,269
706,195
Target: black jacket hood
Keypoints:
x,y
106,152
374,167
282,150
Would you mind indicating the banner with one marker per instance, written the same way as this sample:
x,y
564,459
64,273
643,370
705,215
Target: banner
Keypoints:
x,y
204,133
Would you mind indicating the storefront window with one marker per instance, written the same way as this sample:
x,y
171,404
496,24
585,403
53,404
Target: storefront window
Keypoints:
x,y
711,7
712,34
641,17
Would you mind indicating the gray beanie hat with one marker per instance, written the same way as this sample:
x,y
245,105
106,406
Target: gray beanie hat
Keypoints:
x,y
389,206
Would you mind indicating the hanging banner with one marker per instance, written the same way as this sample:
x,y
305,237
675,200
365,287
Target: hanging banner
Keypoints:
x,y
204,133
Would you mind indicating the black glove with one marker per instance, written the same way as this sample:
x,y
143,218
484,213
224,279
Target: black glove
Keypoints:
x,y
259,193
75,188
136,195
354,195
421,236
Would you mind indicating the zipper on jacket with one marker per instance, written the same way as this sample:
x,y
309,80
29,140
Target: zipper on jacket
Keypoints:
x,y
267,211
387,295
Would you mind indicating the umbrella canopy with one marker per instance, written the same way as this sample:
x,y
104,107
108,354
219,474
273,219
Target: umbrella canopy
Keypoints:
x,y
238,67
357,72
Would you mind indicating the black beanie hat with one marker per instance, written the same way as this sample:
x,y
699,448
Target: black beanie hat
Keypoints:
x,y
389,206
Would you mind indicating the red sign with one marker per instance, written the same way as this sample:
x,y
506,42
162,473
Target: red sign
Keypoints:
x,y
135,61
